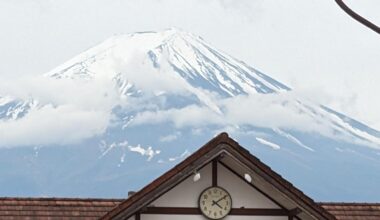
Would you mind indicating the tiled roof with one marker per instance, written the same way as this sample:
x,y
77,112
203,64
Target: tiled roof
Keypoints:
x,y
353,211
89,209
54,208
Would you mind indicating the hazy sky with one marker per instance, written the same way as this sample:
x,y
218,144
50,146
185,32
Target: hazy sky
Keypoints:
x,y
310,45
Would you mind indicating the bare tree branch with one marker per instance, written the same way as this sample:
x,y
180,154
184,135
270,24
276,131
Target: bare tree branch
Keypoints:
x,y
357,17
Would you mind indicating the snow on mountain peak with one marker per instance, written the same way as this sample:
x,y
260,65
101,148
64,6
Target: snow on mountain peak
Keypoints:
x,y
185,55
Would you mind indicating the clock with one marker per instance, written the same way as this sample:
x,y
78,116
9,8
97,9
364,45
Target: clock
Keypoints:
x,y
215,202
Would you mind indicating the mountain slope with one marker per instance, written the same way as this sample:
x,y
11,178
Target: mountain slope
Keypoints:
x,y
160,95
191,58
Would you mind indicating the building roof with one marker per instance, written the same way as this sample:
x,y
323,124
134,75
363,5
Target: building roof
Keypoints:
x,y
353,211
88,209
220,142
55,208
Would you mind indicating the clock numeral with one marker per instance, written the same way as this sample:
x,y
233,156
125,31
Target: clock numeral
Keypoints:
x,y
215,214
220,212
205,196
203,202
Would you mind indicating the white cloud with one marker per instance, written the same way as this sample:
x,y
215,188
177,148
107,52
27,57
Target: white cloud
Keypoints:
x,y
170,137
275,111
192,115
82,109
131,61
68,111
271,111
64,91
53,125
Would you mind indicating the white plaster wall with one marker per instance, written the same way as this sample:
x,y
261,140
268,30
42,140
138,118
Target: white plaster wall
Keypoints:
x,y
186,193
200,217
243,195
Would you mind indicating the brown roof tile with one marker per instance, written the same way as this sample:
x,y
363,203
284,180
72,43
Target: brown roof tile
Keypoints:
x,y
353,211
55,208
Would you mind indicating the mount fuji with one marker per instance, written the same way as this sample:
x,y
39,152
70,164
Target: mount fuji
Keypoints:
x,y
118,115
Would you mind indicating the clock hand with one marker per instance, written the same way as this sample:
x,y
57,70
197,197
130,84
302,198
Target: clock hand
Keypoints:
x,y
216,203
221,199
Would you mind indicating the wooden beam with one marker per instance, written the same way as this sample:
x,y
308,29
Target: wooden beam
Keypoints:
x,y
260,212
137,216
295,211
171,211
215,173
196,211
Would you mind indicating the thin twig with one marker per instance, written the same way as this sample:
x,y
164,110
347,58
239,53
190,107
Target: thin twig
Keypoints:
x,y
357,17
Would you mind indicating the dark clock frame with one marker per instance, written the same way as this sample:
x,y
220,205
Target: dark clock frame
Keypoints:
x,y
199,201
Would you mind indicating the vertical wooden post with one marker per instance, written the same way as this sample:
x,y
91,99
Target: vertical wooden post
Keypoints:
x,y
214,173
138,216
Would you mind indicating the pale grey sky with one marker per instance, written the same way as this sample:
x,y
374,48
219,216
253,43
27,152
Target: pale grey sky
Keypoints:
x,y
310,45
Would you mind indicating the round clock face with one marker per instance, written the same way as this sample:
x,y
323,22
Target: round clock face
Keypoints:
x,y
215,203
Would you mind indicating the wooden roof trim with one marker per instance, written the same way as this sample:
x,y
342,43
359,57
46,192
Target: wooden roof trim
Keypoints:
x,y
218,140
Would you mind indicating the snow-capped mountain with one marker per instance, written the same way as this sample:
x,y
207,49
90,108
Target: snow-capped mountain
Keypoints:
x,y
140,102
192,59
